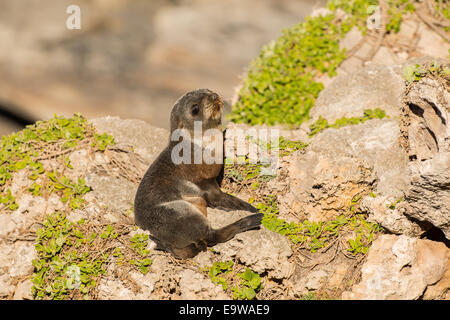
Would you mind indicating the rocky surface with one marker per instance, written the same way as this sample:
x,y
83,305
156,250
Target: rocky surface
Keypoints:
x,y
375,156
109,201
366,88
268,253
403,188
403,268
262,250
415,39
342,163
426,129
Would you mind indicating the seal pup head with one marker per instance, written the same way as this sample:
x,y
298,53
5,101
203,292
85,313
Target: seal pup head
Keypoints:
x,y
199,105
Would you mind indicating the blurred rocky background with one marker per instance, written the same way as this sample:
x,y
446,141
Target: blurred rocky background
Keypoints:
x,y
131,58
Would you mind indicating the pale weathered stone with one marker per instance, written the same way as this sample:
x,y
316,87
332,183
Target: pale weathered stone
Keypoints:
x,y
384,56
261,250
374,86
7,225
426,137
6,288
23,291
109,289
146,140
146,283
401,267
194,285
340,164
431,43
351,39
116,193
380,209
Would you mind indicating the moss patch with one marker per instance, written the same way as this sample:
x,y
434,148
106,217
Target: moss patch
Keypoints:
x,y
244,285
318,235
282,83
52,139
413,73
67,264
71,256
322,123
310,235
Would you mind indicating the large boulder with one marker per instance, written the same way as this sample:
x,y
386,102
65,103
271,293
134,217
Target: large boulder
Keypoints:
x,y
340,164
262,250
403,268
397,166
426,137
363,161
349,94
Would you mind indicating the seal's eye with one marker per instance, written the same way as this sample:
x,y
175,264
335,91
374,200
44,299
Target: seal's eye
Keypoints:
x,y
195,109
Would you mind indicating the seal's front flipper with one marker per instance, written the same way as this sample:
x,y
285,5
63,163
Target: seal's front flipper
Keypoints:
x,y
228,202
216,198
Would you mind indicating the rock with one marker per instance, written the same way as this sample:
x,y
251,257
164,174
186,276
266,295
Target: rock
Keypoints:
x,y
15,263
261,250
7,225
340,164
403,160
322,276
407,30
109,289
375,86
426,137
351,39
6,288
314,280
336,278
146,283
17,258
23,291
393,219
439,290
194,285
29,208
401,267
428,197
384,56
204,259
431,43
301,283
117,193
146,140
348,66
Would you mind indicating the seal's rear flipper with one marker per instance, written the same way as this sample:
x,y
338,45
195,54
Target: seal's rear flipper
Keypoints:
x,y
226,233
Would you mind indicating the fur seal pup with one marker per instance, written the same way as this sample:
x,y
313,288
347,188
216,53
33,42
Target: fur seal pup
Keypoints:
x,y
172,199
